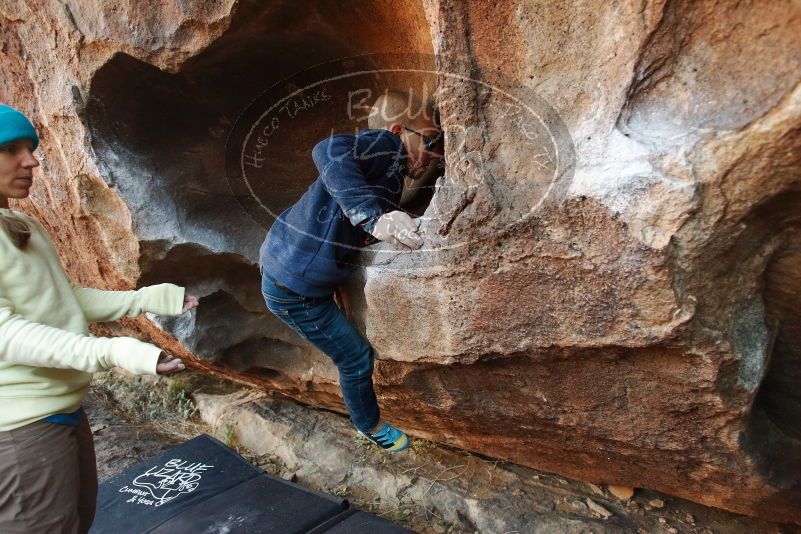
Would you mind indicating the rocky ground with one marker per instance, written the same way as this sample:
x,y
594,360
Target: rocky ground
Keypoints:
x,y
431,488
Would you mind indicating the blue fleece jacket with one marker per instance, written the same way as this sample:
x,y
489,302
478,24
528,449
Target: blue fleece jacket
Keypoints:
x,y
312,246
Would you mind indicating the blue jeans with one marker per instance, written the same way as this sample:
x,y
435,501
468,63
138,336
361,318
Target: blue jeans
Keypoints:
x,y
320,320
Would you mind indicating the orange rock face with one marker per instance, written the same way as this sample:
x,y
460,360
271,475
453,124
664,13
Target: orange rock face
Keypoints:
x,y
610,283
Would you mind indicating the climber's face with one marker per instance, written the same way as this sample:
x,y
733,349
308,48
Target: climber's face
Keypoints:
x,y
16,169
423,142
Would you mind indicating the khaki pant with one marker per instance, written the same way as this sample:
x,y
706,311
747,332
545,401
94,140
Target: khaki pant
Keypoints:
x,y
48,479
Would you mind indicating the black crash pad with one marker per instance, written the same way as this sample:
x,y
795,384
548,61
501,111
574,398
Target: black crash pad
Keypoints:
x,y
152,492
353,521
203,486
264,504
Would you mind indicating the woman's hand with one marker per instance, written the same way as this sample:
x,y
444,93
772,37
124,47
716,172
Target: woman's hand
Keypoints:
x,y
168,365
190,302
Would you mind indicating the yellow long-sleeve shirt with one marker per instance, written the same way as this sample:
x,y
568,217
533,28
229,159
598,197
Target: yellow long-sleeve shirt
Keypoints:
x,y
47,355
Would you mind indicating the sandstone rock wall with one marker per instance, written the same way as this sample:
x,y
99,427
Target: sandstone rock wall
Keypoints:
x,y
614,301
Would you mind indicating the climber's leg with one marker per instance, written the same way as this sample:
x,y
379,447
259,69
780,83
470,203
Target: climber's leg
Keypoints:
x,y
321,322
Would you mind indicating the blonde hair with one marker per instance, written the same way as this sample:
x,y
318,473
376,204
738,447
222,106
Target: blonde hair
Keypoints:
x,y
18,231
399,107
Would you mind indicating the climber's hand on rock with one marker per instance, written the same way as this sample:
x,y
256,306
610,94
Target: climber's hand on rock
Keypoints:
x,y
168,364
190,301
397,228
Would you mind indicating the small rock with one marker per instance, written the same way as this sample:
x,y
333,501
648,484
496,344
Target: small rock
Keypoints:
x,y
596,489
571,506
126,374
656,503
689,519
598,509
672,530
439,529
662,520
624,493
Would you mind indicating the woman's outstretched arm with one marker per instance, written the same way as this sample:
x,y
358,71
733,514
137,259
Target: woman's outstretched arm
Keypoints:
x,y
100,305
34,344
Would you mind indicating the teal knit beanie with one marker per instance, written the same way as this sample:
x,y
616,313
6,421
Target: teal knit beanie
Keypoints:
x,y
15,126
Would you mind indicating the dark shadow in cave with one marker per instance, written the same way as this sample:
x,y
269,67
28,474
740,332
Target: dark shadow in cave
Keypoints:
x,y
774,428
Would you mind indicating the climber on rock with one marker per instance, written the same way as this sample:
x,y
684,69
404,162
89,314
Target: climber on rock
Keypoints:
x,y
311,247
48,476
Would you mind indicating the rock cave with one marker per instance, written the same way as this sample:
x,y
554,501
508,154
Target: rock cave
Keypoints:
x,y
610,284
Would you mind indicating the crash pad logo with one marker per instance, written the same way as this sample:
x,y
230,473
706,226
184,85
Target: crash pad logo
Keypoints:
x,y
161,484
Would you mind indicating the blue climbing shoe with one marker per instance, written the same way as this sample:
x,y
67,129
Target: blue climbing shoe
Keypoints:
x,y
388,438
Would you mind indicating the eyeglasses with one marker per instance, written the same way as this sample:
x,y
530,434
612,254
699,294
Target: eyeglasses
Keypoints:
x,y
431,142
